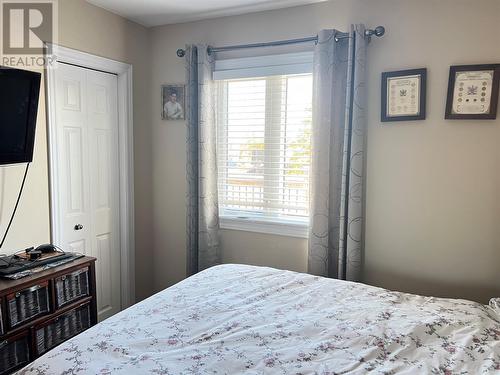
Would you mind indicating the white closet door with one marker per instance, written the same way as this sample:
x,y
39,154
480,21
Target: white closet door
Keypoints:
x,y
87,136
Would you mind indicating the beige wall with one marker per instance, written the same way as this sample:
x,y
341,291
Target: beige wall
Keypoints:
x,y
91,29
87,28
31,224
432,186
432,191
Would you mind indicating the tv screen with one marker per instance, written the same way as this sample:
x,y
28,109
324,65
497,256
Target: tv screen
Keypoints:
x,y
19,93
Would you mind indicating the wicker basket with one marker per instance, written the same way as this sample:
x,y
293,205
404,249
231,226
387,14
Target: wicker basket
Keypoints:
x,y
13,354
28,304
72,286
62,328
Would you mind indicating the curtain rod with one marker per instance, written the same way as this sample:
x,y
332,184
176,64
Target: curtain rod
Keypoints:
x,y
378,31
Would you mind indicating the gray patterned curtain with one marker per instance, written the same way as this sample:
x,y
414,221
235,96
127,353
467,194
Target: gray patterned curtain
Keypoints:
x,y
336,228
202,201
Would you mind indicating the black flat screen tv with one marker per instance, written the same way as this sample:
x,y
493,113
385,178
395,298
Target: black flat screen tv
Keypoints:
x,y
19,94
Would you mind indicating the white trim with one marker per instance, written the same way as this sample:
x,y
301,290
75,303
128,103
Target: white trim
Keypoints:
x,y
264,66
300,230
126,156
266,216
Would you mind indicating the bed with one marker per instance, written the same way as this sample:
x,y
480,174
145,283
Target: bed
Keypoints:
x,y
233,319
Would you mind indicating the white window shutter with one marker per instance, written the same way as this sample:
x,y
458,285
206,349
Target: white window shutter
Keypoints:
x,y
264,150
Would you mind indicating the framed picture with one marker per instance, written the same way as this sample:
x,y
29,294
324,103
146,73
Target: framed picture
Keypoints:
x,y
473,92
172,102
403,95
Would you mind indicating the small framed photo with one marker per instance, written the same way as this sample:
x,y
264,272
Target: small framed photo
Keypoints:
x,y
473,92
403,95
173,102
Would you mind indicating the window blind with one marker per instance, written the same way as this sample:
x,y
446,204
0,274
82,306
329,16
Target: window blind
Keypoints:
x,y
264,147
263,66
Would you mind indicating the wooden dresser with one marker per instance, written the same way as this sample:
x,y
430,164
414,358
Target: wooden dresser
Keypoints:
x,y
41,311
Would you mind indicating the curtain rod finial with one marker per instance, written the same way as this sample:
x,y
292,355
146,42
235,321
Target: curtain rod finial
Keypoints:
x,y
378,31
180,52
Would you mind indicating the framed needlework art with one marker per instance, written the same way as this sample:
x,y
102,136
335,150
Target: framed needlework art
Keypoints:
x,y
473,92
404,95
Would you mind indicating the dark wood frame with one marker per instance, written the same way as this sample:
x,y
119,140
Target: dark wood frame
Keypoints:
x,y
28,328
494,92
422,72
164,87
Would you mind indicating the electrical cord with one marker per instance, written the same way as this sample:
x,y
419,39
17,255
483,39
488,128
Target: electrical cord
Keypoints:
x,y
58,248
17,204
17,260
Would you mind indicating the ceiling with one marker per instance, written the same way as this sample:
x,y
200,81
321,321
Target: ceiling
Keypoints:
x,y
164,12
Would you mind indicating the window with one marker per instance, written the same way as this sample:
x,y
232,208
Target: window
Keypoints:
x,y
264,153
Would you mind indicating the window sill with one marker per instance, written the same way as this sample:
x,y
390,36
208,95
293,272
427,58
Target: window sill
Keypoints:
x,y
299,230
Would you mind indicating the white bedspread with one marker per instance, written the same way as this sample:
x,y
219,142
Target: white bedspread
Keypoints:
x,y
236,319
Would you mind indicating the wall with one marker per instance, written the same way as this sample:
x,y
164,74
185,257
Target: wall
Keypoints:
x,y
432,208
432,203
31,225
91,29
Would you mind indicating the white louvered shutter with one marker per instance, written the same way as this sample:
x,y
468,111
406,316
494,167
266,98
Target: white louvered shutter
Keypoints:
x,y
264,147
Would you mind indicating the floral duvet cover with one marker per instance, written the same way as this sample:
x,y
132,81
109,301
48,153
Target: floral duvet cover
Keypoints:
x,y
234,319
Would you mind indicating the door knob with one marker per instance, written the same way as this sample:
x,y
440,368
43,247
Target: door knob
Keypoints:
x,y
78,227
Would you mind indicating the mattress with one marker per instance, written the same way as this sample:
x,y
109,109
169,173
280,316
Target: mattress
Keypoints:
x,y
234,319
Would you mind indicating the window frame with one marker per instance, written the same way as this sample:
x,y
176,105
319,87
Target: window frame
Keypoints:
x,y
280,228
234,219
